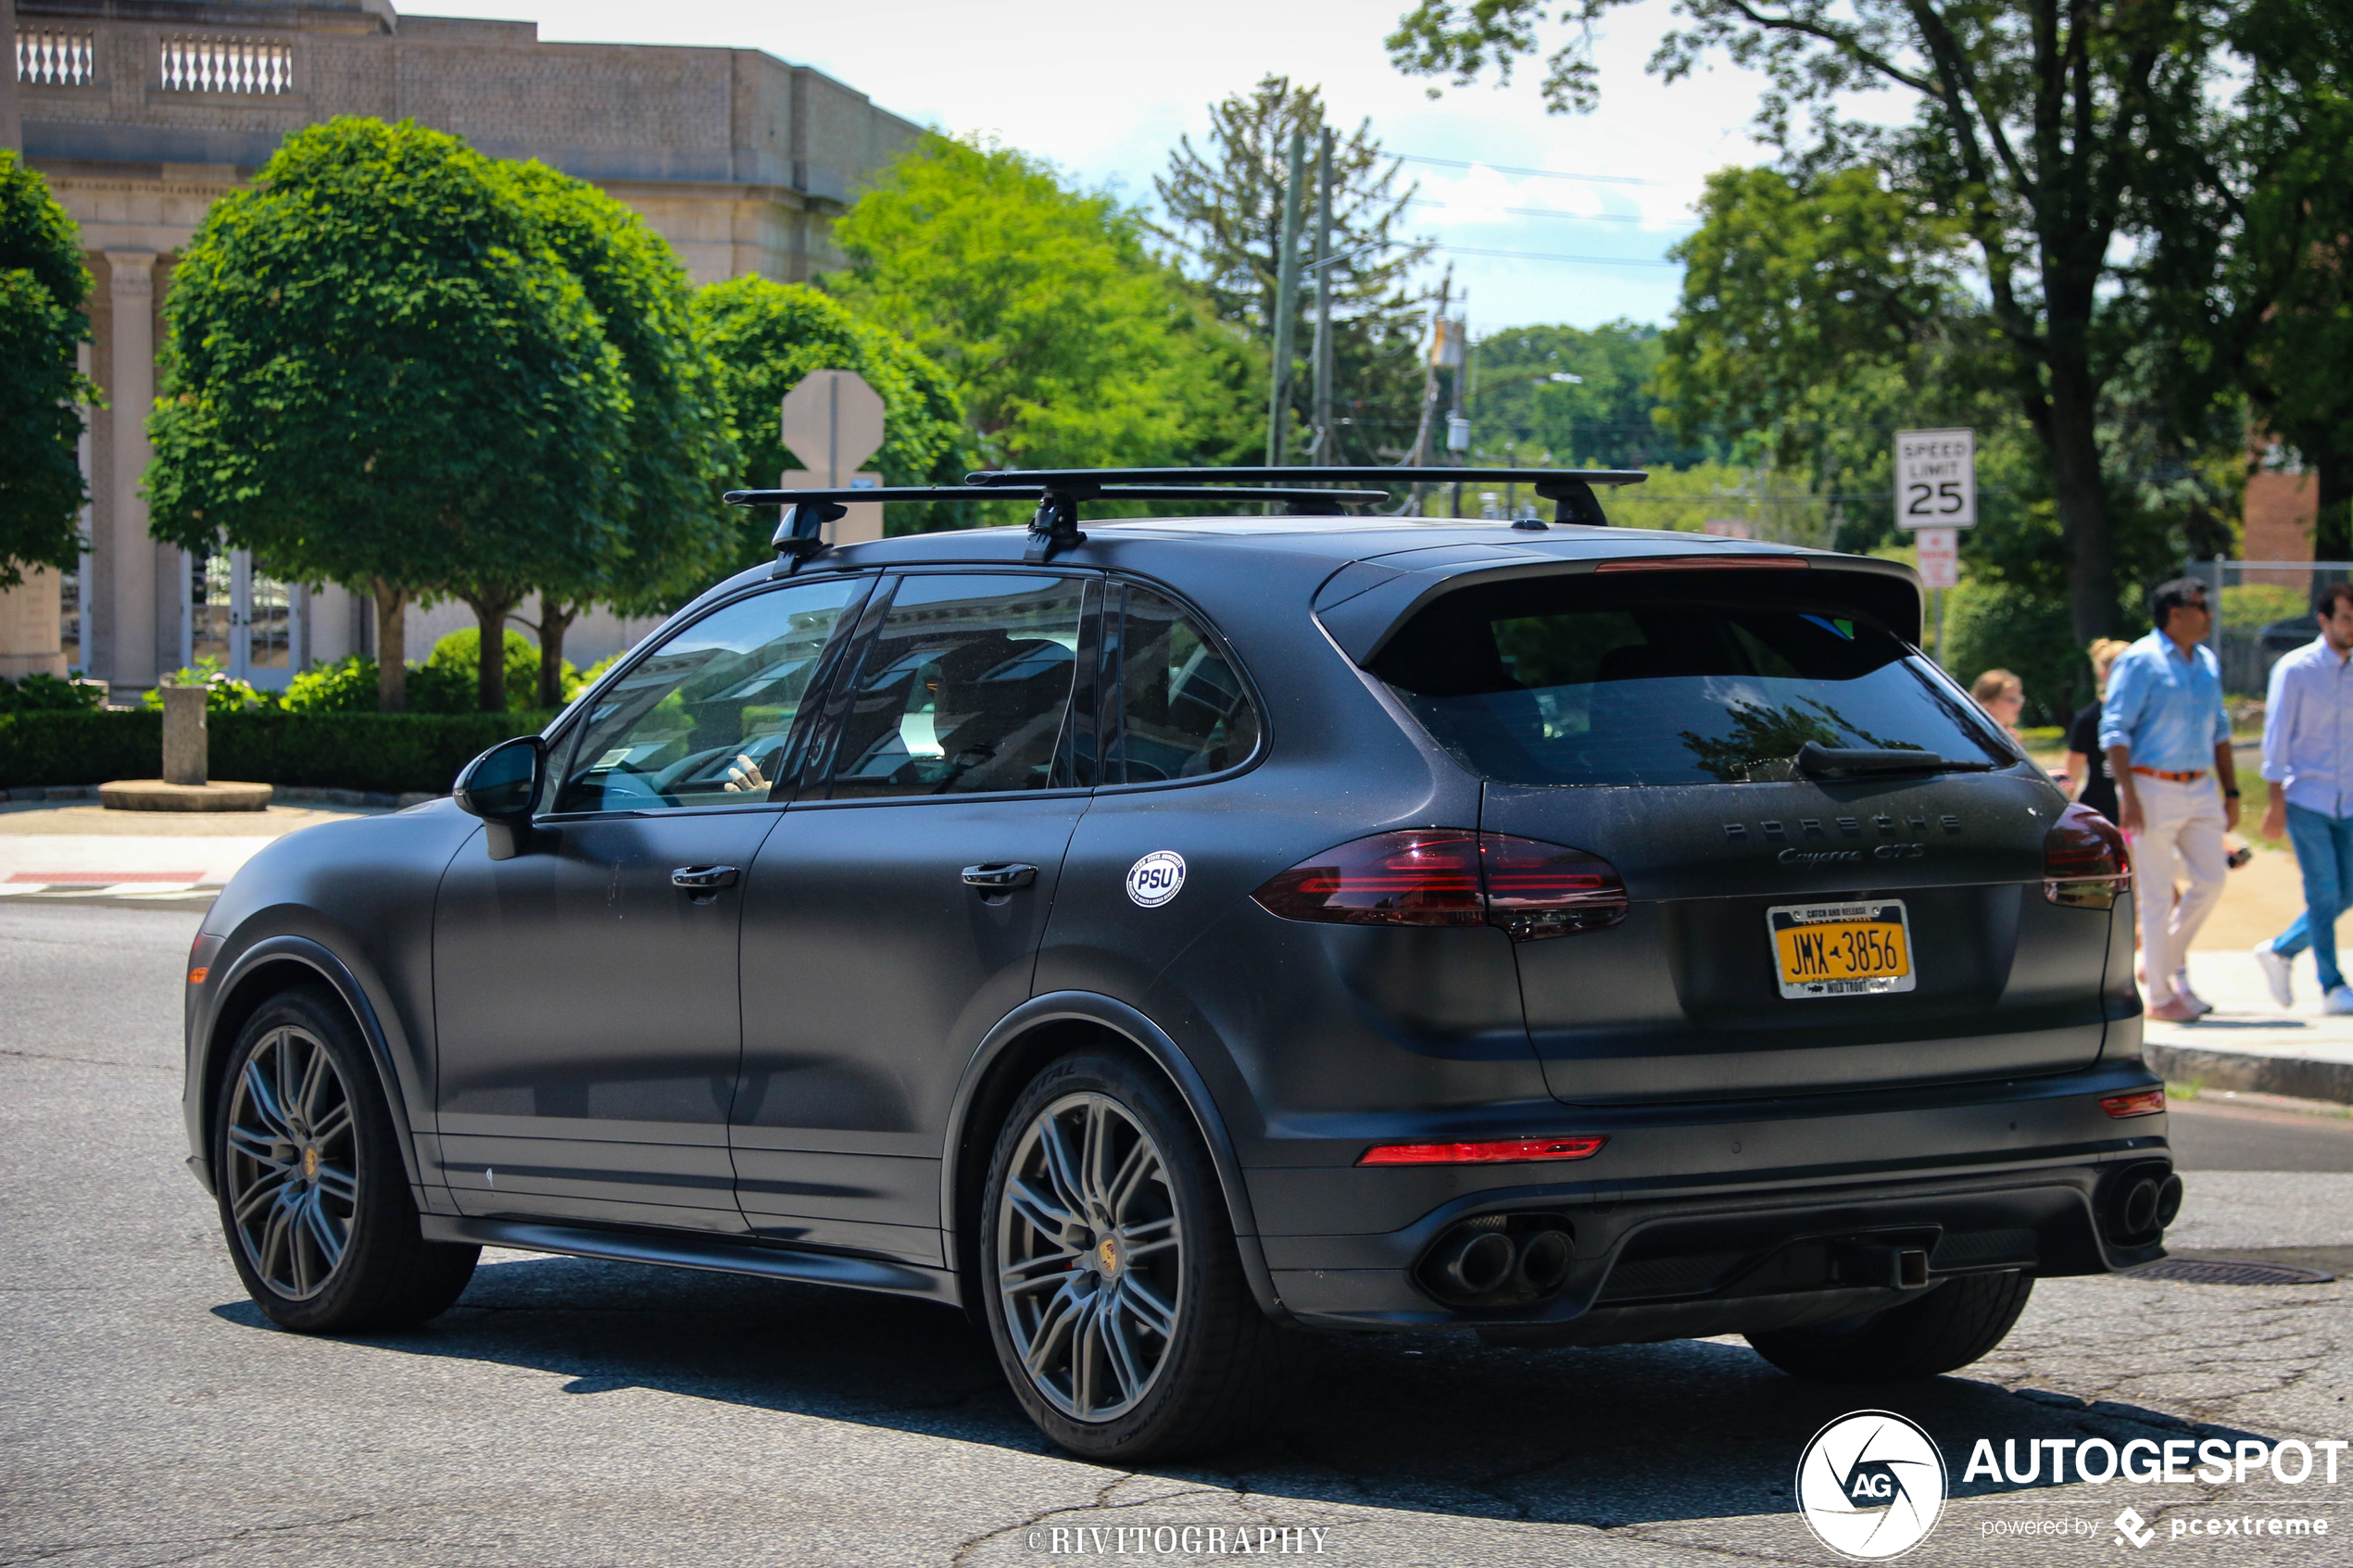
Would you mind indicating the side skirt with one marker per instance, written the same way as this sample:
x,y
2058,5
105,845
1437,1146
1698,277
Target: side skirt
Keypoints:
x,y
674,1249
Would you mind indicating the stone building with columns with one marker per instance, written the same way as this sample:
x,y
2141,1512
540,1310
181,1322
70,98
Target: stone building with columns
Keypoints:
x,y
140,113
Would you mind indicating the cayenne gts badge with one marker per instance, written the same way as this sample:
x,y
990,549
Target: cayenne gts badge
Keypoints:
x,y
1157,878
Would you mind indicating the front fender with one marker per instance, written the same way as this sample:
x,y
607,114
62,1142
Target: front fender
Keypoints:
x,y
978,1090
241,983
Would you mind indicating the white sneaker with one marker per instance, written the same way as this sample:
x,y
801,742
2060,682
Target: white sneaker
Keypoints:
x,y
2277,974
2340,1001
2189,999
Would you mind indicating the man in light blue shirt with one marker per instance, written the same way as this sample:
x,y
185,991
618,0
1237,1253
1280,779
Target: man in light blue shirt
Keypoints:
x,y
2167,739
2307,755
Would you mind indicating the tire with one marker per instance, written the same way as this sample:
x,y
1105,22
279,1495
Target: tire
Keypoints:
x,y
1136,1339
1948,1328
314,1199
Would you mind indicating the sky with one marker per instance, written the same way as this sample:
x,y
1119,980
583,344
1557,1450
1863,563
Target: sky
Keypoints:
x,y
1105,90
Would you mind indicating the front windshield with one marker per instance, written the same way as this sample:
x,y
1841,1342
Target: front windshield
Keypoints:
x,y
1598,681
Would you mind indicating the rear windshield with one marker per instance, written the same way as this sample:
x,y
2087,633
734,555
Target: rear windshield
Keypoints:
x,y
1616,681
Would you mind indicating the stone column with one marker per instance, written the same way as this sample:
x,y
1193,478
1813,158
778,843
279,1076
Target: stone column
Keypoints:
x,y
187,745
131,392
29,626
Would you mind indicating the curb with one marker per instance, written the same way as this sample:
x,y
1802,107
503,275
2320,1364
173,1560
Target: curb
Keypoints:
x,y
281,795
2302,1077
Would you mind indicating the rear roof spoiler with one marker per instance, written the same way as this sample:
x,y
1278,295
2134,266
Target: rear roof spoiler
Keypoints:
x,y
1363,605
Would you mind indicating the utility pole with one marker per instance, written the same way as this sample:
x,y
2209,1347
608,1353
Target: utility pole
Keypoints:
x,y
1458,418
1286,300
1327,433
1439,329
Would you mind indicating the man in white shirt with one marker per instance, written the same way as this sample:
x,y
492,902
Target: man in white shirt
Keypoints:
x,y
2308,756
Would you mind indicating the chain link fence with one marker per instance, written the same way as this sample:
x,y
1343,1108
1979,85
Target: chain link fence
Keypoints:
x,y
2265,612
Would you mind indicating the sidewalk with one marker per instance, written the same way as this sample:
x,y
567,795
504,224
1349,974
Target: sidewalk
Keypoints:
x,y
2249,1042
85,854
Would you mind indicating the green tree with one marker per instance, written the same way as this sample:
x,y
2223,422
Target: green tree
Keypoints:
x,y
678,458
2040,130
379,372
2251,273
1066,342
763,337
1224,218
1573,397
43,286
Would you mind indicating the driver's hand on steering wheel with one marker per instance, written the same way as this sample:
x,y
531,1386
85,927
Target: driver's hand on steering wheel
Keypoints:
x,y
744,776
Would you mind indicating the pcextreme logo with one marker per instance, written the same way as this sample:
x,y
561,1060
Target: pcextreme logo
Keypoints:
x,y
1870,1484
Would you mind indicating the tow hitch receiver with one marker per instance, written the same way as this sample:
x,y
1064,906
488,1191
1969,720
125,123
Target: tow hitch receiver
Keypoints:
x,y
1896,1268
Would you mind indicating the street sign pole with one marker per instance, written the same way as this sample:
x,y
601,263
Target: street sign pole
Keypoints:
x,y
1935,498
833,421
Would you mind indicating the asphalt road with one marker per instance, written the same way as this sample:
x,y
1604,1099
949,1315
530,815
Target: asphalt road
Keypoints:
x,y
569,1412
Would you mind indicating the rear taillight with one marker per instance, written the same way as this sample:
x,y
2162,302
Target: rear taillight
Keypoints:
x,y
2085,864
1505,1151
1449,876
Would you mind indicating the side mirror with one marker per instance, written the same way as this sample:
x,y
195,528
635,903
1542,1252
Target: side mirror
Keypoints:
x,y
502,787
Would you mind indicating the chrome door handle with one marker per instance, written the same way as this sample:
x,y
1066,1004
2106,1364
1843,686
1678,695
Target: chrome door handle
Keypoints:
x,y
703,879
999,876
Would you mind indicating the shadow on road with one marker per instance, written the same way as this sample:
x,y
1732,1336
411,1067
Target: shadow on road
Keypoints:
x,y
1435,1423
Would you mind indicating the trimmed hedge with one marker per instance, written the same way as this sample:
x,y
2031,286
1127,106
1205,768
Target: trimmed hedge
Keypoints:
x,y
388,753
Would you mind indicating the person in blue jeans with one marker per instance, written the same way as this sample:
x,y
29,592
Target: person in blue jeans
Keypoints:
x,y
2308,757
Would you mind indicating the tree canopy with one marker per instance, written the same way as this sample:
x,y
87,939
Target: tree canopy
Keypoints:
x,y
2042,135
675,534
43,287
1066,342
763,337
1224,218
379,370
1572,397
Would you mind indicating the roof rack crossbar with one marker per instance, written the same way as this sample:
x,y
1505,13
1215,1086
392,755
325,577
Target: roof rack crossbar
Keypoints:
x,y
1060,493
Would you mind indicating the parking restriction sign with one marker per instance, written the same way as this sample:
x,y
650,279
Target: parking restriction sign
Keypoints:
x,y
1936,478
1940,557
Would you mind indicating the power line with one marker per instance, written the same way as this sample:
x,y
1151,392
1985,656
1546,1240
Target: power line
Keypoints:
x,y
1548,256
1532,173
1572,216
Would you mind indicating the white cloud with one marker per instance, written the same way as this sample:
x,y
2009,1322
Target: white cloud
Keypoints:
x,y
1105,90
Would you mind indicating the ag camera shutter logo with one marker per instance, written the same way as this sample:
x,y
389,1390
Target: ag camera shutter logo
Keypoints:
x,y
1870,1486
1155,879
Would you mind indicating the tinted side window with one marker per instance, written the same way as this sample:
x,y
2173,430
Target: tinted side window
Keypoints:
x,y
965,689
1184,710
703,720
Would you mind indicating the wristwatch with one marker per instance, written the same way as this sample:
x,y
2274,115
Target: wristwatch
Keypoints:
x,y
2229,794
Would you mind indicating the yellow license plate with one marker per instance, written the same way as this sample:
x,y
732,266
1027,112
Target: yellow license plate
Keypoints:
x,y
1842,950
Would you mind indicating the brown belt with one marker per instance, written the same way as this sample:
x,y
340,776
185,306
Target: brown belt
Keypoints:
x,y
2172,778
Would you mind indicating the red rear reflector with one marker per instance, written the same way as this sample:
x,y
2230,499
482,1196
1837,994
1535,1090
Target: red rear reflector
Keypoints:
x,y
2140,1102
1704,563
2085,864
1449,876
1483,1153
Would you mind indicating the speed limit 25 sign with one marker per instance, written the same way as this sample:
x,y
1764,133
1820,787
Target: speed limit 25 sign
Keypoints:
x,y
1936,478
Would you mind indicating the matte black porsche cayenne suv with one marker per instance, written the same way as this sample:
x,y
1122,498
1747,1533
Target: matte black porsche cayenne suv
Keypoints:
x,y
1196,932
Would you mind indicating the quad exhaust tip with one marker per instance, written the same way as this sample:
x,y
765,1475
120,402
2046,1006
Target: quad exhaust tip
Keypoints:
x,y
2140,1202
1499,1261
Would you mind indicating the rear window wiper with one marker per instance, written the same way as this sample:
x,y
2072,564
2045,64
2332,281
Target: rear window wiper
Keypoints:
x,y
1821,762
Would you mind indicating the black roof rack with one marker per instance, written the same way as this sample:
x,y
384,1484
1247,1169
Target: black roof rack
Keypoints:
x,y
1059,492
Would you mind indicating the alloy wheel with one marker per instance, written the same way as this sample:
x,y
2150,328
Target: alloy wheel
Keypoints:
x,y
1089,1257
292,1165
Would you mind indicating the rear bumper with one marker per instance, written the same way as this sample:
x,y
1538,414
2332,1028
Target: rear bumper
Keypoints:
x,y
1689,1212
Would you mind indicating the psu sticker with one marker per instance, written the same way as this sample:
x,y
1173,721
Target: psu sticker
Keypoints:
x,y
1155,879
